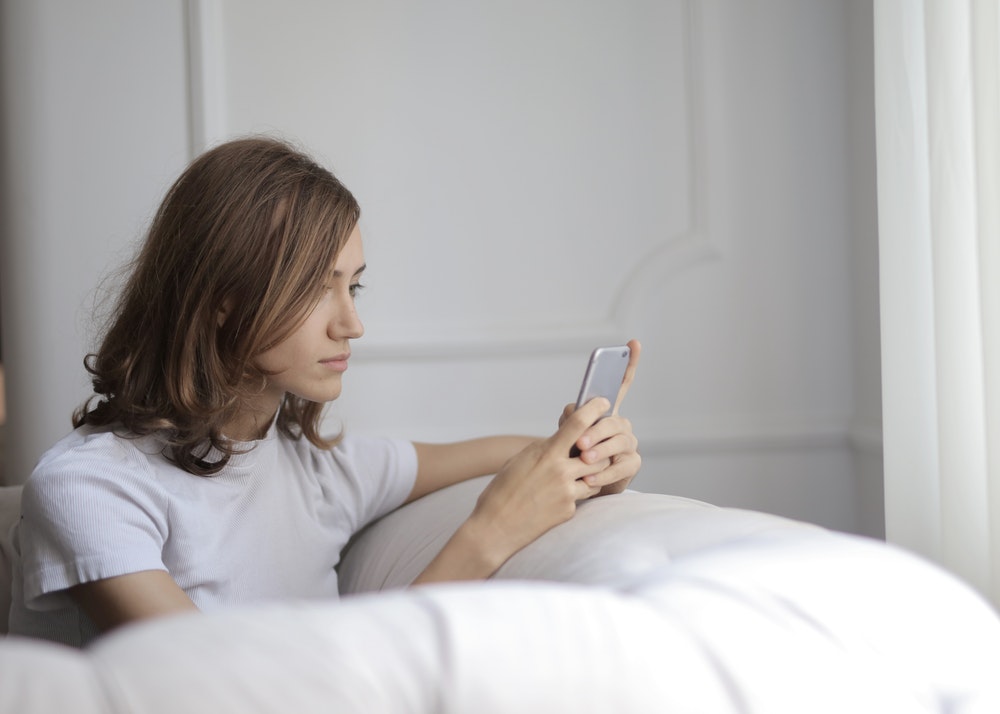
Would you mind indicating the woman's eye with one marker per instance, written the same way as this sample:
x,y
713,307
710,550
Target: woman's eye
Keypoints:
x,y
355,289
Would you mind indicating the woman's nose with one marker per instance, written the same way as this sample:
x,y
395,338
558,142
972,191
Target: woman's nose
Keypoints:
x,y
346,323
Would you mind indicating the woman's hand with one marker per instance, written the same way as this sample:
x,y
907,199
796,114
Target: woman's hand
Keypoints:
x,y
538,488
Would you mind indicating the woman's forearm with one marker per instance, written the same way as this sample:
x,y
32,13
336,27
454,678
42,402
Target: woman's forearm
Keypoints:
x,y
440,465
470,554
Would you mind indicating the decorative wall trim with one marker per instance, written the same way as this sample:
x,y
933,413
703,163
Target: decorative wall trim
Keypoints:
x,y
663,439
866,439
206,74
802,434
677,253
795,435
694,245
554,339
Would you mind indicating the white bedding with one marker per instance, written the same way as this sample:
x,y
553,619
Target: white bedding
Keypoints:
x,y
744,611
609,542
665,605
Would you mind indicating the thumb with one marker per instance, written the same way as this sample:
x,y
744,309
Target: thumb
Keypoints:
x,y
635,348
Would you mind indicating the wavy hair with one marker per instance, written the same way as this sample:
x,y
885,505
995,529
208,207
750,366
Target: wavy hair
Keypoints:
x,y
248,232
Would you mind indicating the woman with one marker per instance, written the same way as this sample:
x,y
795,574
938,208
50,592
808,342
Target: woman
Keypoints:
x,y
196,476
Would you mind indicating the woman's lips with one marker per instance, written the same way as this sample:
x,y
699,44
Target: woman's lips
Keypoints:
x,y
337,364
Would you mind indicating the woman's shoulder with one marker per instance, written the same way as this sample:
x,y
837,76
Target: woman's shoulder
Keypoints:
x,y
91,486
93,455
103,444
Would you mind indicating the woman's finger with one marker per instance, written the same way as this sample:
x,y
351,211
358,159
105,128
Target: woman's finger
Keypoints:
x,y
619,473
614,447
575,424
635,348
605,429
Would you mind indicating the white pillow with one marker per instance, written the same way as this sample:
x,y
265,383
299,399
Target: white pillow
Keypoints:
x,y
394,550
611,540
10,511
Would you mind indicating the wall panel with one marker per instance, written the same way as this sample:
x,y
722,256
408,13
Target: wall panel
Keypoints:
x,y
536,179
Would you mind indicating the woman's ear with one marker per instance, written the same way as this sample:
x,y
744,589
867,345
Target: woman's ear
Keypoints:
x,y
224,311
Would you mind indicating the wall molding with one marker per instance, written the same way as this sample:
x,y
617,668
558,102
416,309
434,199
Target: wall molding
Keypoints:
x,y
714,437
677,253
790,434
866,439
206,60
793,434
694,245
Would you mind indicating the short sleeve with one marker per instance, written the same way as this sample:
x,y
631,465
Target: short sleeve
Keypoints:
x,y
91,513
379,473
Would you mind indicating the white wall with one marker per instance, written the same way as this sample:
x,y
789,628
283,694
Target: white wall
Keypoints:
x,y
94,128
536,178
866,430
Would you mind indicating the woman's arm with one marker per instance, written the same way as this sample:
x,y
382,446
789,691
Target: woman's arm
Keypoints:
x,y
117,601
440,465
537,486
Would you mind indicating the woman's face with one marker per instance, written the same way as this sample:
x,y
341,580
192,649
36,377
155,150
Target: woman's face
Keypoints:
x,y
310,362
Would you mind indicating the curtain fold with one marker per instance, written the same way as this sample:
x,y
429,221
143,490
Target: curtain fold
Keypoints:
x,y
937,104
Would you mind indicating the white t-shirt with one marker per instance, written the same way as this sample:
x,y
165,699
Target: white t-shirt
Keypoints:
x,y
270,526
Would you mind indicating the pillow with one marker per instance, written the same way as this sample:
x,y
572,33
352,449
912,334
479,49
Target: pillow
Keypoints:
x,y
10,511
391,552
612,540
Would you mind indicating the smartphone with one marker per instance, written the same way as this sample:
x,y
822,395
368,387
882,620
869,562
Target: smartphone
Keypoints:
x,y
604,375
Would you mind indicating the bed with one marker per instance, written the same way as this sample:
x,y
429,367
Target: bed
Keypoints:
x,y
640,603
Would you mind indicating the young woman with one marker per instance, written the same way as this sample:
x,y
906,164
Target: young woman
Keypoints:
x,y
197,478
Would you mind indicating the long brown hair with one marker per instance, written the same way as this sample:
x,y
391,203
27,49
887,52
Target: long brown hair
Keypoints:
x,y
233,261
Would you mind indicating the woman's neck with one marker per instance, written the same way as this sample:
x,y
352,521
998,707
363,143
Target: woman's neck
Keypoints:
x,y
251,425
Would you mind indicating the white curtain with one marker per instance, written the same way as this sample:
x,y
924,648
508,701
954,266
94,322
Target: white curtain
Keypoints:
x,y
937,104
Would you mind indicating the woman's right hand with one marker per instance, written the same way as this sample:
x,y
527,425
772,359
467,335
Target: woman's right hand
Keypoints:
x,y
534,491
539,487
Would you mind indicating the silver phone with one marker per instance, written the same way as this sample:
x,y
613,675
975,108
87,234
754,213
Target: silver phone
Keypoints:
x,y
604,375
